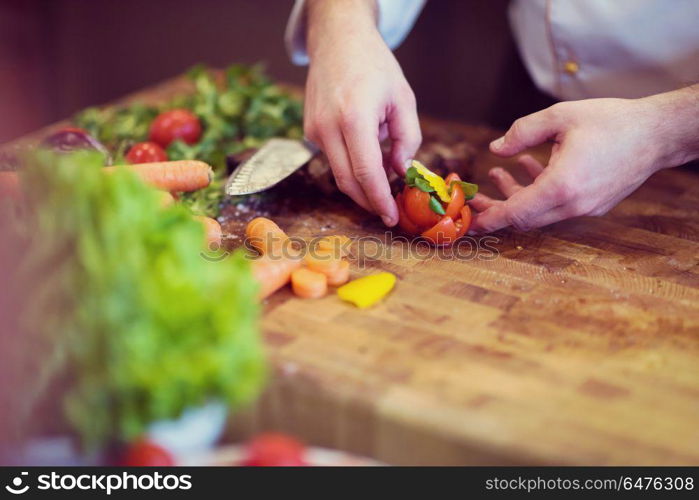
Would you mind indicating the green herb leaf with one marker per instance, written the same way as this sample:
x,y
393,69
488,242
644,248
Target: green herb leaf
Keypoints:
x,y
423,185
413,178
436,206
468,188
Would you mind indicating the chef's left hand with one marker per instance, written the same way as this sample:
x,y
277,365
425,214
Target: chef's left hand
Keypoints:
x,y
603,150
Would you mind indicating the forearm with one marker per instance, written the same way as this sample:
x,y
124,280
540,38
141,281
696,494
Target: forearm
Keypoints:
x,y
329,22
676,125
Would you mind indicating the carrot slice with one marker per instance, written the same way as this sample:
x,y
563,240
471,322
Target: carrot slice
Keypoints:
x,y
268,238
272,274
213,233
309,284
338,244
340,276
182,175
322,261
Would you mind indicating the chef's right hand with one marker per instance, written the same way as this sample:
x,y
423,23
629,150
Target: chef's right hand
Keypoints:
x,y
356,96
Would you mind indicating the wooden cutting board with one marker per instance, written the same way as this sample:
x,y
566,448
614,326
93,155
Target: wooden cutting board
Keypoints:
x,y
574,344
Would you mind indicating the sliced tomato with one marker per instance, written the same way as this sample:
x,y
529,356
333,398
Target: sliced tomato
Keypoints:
x,y
417,208
453,208
403,221
442,233
451,178
466,218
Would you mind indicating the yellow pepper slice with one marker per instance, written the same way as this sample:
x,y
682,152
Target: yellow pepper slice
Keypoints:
x,y
434,180
367,291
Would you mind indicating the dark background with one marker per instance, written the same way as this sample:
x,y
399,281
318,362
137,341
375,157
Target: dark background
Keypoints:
x,y
58,56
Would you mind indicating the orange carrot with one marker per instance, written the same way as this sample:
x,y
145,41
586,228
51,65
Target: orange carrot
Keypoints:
x,y
213,233
268,238
9,186
182,175
322,261
340,276
338,244
309,284
272,274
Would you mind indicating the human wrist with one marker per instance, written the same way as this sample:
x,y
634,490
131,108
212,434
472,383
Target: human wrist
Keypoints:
x,y
675,125
330,22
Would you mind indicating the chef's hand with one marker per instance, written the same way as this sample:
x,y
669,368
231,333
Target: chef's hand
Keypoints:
x,y
356,96
603,150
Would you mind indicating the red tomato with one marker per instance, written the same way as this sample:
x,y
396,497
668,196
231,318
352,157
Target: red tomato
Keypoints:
x,y
417,207
146,152
442,233
175,124
144,453
466,218
451,178
457,201
274,449
403,221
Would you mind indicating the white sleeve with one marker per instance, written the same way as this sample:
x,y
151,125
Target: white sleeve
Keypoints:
x,y
396,19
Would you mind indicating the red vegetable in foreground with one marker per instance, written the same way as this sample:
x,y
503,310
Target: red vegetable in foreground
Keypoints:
x,y
144,453
175,124
274,449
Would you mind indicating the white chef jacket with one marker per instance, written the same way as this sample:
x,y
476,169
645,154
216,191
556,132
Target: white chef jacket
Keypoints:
x,y
575,49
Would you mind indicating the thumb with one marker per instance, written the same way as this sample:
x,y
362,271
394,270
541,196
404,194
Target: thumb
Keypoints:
x,y
528,131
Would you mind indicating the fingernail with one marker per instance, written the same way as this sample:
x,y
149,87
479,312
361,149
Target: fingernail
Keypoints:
x,y
498,143
387,220
408,163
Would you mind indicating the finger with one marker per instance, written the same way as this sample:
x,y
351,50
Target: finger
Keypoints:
x,y
481,202
405,134
365,156
383,132
504,181
525,209
333,145
481,221
526,132
531,165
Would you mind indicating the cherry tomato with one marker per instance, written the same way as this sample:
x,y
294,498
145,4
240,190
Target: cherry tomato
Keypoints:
x,y
417,207
144,453
403,221
442,233
146,152
175,124
274,449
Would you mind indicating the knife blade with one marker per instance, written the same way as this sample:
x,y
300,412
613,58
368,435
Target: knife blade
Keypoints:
x,y
276,160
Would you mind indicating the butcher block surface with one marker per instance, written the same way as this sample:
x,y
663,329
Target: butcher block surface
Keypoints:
x,y
574,344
